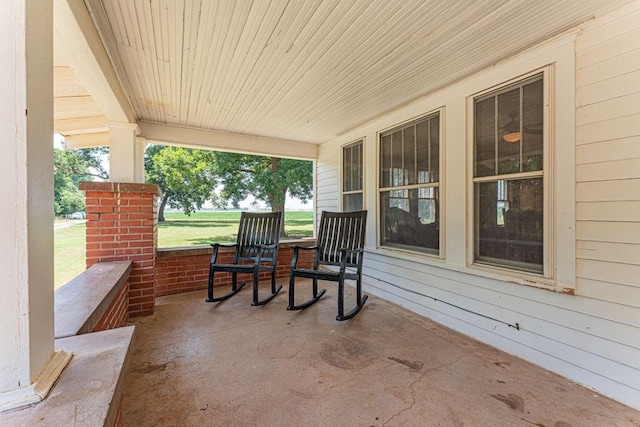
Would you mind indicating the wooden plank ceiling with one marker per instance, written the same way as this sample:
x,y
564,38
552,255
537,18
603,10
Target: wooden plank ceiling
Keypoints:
x,y
76,116
308,70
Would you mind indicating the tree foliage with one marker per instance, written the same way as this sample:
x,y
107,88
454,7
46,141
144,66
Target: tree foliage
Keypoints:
x,y
71,167
268,179
186,177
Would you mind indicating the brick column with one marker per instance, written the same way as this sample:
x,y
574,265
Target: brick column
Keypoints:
x,y
122,225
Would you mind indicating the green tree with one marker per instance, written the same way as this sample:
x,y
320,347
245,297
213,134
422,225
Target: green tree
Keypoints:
x,y
186,177
71,167
268,179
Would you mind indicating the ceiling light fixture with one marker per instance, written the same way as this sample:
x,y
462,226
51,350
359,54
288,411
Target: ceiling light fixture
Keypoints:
x,y
511,137
513,130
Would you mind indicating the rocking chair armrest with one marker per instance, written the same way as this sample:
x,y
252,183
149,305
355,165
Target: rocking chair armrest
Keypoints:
x,y
343,256
216,246
296,248
260,247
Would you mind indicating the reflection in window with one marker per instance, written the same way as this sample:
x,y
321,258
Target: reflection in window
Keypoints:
x,y
508,176
352,177
409,186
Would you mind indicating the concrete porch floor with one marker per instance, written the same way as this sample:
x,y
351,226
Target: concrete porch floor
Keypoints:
x,y
231,364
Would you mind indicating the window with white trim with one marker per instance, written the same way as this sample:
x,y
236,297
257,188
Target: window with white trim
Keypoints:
x,y
508,178
409,186
352,171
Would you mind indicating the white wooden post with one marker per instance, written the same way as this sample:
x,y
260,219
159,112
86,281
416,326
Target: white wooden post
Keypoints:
x,y
28,364
126,159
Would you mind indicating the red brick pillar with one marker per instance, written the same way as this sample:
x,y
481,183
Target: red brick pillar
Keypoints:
x,y
122,224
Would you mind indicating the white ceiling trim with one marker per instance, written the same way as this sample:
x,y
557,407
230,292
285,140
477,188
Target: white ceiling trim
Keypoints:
x,y
223,141
77,41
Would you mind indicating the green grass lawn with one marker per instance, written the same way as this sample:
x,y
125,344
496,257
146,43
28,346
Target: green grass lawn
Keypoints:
x,y
68,252
201,228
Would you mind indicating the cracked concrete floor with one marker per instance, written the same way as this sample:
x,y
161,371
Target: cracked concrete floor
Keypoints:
x,y
231,364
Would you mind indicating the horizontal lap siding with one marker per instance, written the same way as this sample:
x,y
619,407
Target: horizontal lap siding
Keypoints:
x,y
592,337
327,185
608,160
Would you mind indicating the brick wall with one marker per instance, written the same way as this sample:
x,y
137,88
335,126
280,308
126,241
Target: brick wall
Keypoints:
x,y
187,269
117,315
122,225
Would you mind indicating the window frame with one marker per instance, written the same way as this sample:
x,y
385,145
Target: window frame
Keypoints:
x,y
440,185
343,193
547,174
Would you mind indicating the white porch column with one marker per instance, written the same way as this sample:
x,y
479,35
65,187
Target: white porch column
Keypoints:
x,y
126,160
141,146
28,364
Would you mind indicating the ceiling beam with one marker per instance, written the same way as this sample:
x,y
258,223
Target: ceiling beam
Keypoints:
x,y
223,141
78,43
86,140
77,125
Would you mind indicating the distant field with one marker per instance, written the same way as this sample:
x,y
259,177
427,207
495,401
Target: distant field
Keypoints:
x,y
201,228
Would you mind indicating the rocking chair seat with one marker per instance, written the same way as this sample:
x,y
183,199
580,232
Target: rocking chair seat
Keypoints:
x,y
340,244
255,251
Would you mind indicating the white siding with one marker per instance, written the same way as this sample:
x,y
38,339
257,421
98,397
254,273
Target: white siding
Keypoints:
x,y
608,158
327,187
592,337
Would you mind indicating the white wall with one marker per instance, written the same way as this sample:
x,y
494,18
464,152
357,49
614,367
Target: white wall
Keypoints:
x,y
592,337
326,184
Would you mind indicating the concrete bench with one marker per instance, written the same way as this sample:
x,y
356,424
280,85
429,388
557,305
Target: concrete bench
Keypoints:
x,y
90,323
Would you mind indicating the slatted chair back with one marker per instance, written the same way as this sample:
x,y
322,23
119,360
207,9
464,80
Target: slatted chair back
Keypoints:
x,y
257,230
255,251
340,230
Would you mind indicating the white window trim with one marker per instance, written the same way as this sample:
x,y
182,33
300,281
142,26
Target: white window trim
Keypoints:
x,y
559,52
441,190
559,182
341,148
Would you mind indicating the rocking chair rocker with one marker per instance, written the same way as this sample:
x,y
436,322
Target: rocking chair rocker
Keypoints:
x,y
341,244
256,250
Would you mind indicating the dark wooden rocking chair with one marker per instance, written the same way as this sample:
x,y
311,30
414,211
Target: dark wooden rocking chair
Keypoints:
x,y
340,243
256,250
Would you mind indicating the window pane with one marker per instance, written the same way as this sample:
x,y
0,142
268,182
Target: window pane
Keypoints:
x,y
358,170
509,133
347,169
434,143
397,178
509,227
385,161
533,116
410,219
422,130
485,131
352,202
409,155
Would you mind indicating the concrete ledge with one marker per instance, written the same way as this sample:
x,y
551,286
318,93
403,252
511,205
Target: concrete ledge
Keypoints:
x,y
81,303
89,391
208,250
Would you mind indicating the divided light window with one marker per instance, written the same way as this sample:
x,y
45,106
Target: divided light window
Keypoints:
x,y
352,177
409,186
508,176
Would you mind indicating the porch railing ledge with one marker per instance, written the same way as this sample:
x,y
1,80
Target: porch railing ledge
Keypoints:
x,y
89,392
207,249
81,303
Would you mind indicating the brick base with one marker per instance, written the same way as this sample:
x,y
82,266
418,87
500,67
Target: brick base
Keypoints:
x,y
122,226
187,269
117,315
